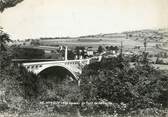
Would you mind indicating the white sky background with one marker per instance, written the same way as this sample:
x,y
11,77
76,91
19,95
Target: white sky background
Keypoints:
x,y
51,18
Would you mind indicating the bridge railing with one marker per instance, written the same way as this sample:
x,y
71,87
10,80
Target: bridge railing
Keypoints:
x,y
52,62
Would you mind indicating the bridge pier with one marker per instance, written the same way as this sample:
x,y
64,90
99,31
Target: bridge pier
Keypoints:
x,y
78,82
66,53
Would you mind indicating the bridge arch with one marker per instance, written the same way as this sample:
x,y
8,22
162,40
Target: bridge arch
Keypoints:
x,y
45,67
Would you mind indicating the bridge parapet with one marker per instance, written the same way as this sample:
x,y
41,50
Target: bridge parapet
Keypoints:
x,y
86,61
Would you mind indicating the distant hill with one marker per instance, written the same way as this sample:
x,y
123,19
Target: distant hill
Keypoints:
x,y
156,36
140,35
109,35
150,35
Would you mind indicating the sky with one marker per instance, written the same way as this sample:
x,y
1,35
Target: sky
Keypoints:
x,y
56,18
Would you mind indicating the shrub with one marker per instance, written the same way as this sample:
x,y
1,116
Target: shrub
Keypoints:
x,y
116,81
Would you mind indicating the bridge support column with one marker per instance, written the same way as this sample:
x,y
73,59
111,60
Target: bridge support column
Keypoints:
x,y
66,53
78,82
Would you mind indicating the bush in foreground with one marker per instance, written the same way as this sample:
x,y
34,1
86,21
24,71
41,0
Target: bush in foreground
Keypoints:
x,y
113,79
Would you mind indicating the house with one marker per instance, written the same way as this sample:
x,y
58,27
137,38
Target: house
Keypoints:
x,y
90,51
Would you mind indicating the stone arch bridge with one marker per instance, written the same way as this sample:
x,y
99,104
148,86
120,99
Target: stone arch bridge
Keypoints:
x,y
74,67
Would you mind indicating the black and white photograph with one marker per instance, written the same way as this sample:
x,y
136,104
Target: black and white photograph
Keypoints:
x,y
83,58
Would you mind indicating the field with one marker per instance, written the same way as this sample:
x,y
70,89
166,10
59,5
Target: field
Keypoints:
x,y
128,43
128,39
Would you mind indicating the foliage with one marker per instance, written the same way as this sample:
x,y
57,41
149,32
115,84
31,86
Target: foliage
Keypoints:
x,y
79,51
71,54
8,3
115,48
5,53
114,80
55,84
35,42
29,83
27,53
15,81
100,49
18,82
4,37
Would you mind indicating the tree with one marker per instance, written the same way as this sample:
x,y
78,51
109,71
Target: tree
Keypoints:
x,y
107,48
71,55
116,81
5,53
27,53
145,44
28,83
4,38
100,49
35,42
80,51
8,3
16,82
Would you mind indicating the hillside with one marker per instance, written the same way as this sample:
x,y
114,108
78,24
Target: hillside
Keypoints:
x,y
140,35
129,39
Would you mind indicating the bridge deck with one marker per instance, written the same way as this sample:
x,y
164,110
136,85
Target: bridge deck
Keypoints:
x,y
54,62
33,60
